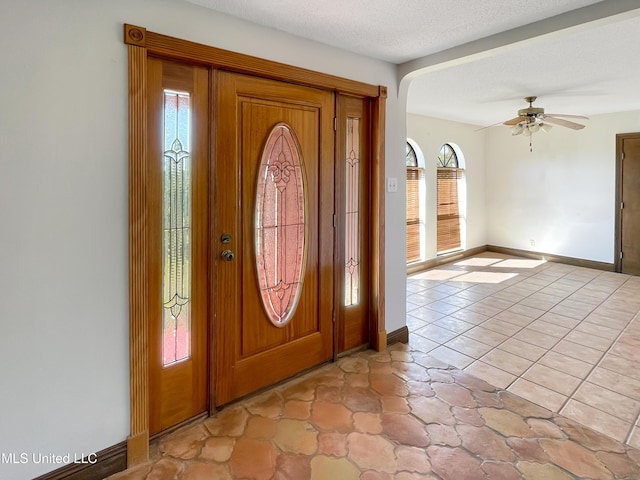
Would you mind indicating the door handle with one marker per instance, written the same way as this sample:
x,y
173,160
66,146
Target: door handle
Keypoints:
x,y
227,255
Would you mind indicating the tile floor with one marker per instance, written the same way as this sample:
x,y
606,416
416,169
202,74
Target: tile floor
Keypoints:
x,y
556,345
567,338
400,414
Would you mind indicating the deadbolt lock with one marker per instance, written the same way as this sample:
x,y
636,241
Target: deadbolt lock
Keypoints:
x,y
225,238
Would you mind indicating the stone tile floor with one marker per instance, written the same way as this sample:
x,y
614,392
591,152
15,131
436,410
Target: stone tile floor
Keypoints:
x,y
565,337
398,414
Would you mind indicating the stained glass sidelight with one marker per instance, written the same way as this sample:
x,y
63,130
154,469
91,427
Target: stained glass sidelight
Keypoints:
x,y
176,224
280,225
352,208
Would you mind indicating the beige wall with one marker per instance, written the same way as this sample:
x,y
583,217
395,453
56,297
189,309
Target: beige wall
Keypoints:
x,y
63,131
560,198
430,134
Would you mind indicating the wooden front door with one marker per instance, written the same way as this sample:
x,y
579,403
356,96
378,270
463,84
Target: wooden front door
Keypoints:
x,y
177,236
273,231
630,203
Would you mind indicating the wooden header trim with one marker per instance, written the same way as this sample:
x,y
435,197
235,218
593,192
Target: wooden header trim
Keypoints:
x,y
142,44
135,35
172,47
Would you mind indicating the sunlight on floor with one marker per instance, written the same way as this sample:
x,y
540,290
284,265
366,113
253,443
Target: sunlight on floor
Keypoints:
x,y
438,274
484,277
478,262
519,263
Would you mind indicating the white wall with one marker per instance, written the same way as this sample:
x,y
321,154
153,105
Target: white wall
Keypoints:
x,y
561,196
430,134
63,131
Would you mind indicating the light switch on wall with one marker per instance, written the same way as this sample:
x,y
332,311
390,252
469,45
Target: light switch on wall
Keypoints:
x,y
392,184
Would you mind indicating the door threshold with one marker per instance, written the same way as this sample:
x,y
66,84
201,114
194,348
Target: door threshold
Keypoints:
x,y
186,423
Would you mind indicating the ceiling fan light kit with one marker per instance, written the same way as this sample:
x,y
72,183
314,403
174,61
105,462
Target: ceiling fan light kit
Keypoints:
x,y
532,119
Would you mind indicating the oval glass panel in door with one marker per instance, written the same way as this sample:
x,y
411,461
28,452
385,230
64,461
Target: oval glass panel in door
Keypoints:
x,y
280,225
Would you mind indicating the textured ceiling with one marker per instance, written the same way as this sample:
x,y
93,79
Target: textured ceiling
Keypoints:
x,y
586,71
395,31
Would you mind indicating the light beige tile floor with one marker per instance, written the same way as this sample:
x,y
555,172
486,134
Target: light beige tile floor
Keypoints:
x,y
405,414
564,337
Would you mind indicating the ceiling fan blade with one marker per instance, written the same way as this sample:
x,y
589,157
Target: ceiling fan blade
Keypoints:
x,y
564,123
565,116
515,121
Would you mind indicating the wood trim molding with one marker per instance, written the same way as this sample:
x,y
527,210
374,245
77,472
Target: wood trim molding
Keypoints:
x,y
618,216
138,441
171,47
452,257
578,262
142,43
442,259
135,35
105,463
378,334
400,335
620,138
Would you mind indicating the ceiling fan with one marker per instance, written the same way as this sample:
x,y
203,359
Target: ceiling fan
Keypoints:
x,y
532,119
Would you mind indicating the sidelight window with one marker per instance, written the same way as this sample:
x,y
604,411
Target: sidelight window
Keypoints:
x,y
176,224
352,212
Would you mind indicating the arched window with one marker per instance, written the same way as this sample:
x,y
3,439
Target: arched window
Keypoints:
x,y
447,157
450,176
415,180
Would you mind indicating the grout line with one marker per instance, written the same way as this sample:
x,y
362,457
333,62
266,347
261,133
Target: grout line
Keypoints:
x,y
564,296
603,356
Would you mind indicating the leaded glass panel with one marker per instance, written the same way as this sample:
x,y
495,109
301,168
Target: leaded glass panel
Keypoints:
x,y
176,224
280,225
352,212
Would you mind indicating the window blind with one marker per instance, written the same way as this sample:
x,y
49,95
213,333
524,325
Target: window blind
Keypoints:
x,y
448,223
414,177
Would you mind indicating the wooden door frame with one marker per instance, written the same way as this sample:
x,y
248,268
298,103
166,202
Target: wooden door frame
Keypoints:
x,y
620,138
142,43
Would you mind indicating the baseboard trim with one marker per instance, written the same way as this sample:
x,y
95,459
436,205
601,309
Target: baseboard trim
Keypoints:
x,y
106,462
137,449
442,259
400,335
462,254
578,262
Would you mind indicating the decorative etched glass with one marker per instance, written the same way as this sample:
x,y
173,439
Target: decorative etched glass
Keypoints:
x,y
280,225
352,211
176,225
